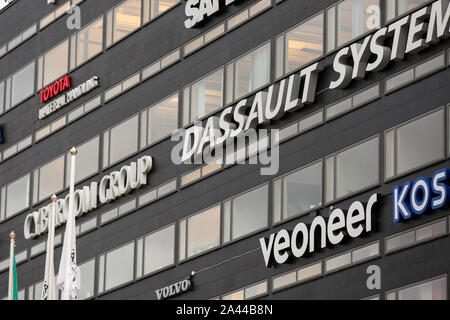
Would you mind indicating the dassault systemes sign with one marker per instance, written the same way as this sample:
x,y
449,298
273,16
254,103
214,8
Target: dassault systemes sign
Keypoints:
x,y
112,186
409,35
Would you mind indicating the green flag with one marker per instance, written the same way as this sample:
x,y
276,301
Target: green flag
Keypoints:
x,y
15,289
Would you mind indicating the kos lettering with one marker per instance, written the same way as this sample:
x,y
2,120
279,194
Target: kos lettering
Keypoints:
x,y
420,196
282,246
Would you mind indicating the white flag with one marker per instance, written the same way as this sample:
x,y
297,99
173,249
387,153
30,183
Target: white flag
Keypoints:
x,y
49,272
74,273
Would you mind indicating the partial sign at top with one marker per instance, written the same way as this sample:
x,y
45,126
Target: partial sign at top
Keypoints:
x,y
197,10
4,3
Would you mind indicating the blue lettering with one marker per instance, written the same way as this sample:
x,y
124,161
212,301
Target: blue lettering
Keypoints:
x,y
401,208
440,188
415,198
420,188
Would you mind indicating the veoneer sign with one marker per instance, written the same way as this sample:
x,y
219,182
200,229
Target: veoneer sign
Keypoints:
x,y
282,246
409,35
112,186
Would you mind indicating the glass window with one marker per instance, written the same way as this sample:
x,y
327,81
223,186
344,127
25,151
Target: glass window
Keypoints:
x,y
309,272
395,8
247,293
418,235
354,169
301,45
408,146
205,97
255,290
123,140
2,96
17,196
202,232
89,41
354,18
162,119
126,18
22,84
35,291
430,290
284,280
298,192
250,72
87,272
159,249
249,212
86,163
159,6
51,178
55,63
238,295
119,266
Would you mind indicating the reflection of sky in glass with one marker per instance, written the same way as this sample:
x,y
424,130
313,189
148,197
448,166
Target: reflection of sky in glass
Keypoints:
x,y
203,231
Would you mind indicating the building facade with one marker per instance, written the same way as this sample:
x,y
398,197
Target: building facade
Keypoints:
x,y
359,189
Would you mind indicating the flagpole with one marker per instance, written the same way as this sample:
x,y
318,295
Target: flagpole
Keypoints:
x,y
69,228
12,237
51,246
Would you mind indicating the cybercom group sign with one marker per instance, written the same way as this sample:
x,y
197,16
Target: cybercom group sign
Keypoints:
x,y
111,187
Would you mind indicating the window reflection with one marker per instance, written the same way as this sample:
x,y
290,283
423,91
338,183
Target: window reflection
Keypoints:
x,y
51,178
17,195
248,73
353,19
203,97
395,8
52,71
304,43
162,119
159,249
89,41
159,6
123,140
203,231
431,290
127,18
